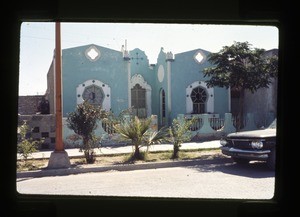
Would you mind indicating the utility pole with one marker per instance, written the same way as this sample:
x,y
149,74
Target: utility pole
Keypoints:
x,y
58,93
59,158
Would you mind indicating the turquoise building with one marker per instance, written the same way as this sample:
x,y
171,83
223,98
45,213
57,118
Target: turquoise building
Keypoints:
x,y
118,80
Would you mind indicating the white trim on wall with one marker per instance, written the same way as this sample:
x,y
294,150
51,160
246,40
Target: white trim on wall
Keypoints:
x,y
210,95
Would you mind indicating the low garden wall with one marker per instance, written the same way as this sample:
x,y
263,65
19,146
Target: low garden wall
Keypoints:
x,y
206,127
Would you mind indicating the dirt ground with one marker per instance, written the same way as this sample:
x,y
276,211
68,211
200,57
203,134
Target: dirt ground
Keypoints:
x,y
124,158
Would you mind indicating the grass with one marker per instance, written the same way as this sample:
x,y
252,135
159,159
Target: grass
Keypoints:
x,y
103,160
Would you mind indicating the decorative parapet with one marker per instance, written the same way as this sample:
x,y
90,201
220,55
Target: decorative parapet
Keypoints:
x,y
126,56
169,56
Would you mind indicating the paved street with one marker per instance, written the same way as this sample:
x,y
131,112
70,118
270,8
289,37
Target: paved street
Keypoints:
x,y
197,179
217,178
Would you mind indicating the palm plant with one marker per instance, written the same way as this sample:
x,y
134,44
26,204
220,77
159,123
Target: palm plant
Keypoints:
x,y
179,132
140,134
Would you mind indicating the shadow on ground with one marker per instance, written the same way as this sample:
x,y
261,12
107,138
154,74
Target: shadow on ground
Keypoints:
x,y
252,170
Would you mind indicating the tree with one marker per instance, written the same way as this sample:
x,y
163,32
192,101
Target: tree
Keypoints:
x,y
43,106
140,134
26,145
179,132
84,121
241,67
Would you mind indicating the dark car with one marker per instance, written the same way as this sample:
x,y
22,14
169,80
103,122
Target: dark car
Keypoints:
x,y
254,145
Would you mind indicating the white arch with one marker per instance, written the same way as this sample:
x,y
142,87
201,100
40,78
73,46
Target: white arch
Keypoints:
x,y
106,104
210,95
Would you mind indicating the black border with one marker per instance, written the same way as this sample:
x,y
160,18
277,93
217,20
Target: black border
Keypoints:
x,y
258,12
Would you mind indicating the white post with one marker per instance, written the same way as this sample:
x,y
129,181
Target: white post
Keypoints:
x,y
169,92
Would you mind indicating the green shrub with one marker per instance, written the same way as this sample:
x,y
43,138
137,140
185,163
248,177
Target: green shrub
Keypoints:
x,y
84,121
179,132
26,145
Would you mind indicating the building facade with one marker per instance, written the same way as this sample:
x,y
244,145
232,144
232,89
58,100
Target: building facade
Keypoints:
x,y
118,80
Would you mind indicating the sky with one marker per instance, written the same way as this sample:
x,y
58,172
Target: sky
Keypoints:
x,y
37,42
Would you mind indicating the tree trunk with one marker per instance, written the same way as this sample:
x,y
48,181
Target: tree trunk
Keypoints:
x,y
88,153
240,121
137,154
175,151
89,156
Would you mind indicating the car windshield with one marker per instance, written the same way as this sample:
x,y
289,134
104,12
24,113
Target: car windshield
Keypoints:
x,y
273,125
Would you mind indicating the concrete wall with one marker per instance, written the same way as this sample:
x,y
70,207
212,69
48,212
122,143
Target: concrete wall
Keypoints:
x,y
262,103
185,72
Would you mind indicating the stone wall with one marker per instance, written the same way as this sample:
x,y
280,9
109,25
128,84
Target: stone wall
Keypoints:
x,y
41,127
28,105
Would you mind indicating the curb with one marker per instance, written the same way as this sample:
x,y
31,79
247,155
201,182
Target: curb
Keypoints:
x,y
119,167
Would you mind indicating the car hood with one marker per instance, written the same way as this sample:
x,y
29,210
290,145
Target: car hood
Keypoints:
x,y
254,134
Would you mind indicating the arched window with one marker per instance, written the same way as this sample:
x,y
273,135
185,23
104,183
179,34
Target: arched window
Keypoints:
x,y
199,99
93,94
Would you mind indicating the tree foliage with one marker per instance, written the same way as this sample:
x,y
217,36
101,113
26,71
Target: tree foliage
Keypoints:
x,y
241,67
84,121
179,132
139,132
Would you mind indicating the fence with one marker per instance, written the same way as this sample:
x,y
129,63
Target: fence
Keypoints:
x,y
206,126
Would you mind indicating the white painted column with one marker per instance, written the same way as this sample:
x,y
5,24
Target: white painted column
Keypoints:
x,y
129,81
127,59
148,102
169,92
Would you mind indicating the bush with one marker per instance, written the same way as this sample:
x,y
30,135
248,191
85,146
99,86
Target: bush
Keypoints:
x,y
179,133
84,121
26,145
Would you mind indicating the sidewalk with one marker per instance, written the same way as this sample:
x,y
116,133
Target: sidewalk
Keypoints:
x,y
88,168
74,152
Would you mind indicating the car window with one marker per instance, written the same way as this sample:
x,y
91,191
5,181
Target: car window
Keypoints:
x,y
272,125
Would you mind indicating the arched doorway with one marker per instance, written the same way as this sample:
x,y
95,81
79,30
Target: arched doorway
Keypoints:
x,y
138,101
142,99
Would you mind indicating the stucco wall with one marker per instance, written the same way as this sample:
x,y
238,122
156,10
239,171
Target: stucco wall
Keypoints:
x,y
110,68
185,72
262,103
